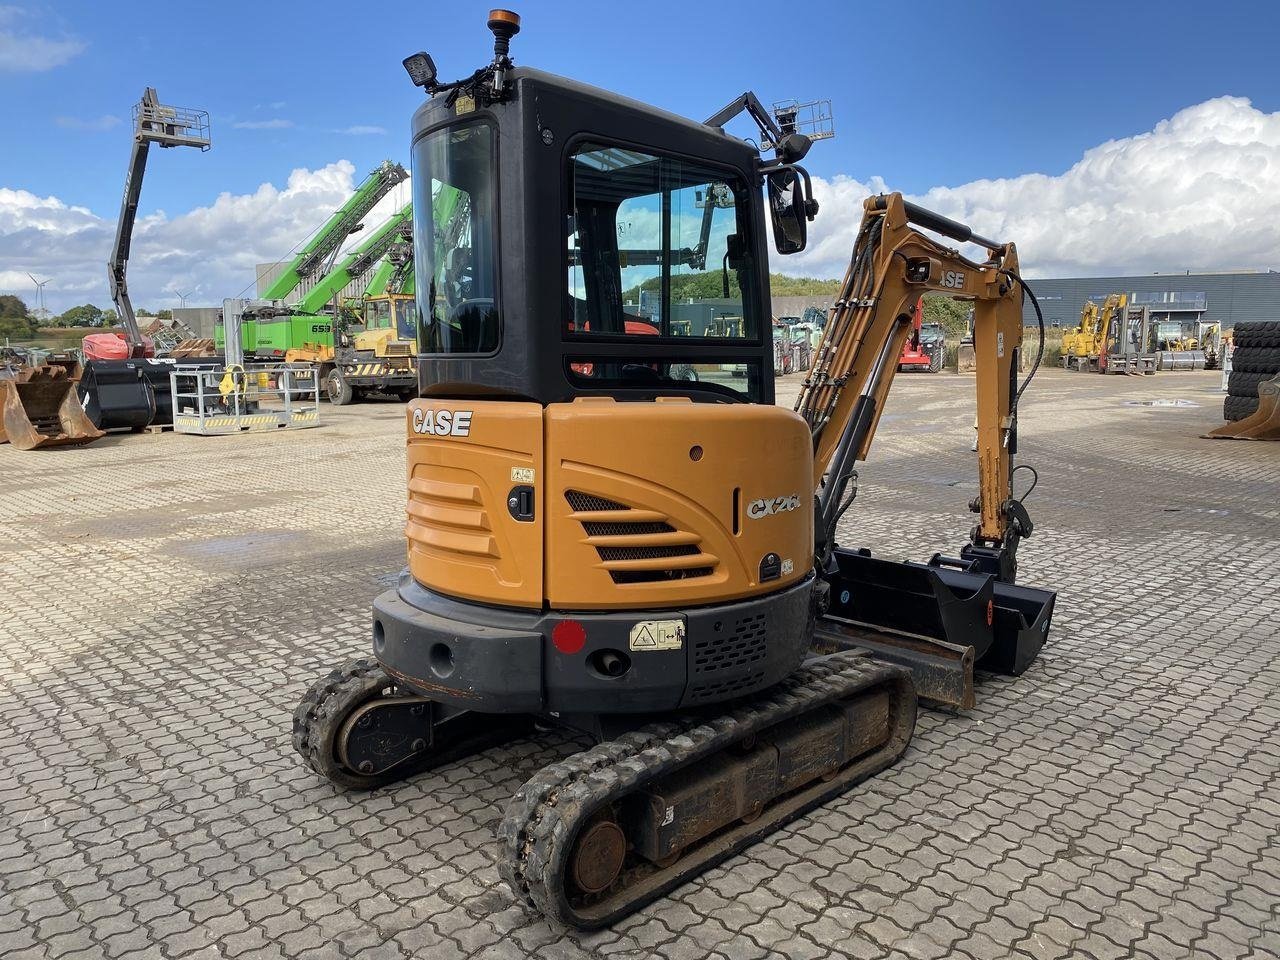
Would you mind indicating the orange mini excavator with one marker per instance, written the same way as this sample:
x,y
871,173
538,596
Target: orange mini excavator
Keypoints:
x,y
598,541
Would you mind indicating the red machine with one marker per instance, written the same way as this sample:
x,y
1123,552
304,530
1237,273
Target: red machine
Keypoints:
x,y
113,346
923,350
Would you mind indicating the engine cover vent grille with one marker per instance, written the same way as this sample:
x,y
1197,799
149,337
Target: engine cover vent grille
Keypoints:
x,y
744,646
597,529
640,545
579,502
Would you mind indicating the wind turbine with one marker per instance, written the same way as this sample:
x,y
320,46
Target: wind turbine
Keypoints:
x,y
182,299
40,293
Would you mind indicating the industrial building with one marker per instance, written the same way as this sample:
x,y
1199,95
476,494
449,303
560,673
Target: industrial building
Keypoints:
x,y
1227,298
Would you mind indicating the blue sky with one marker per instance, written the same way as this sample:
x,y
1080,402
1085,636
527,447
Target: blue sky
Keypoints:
x,y
909,98
926,95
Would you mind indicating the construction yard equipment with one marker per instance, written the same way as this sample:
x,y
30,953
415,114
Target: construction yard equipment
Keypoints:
x,y
380,357
597,543
233,396
1111,338
122,385
306,328
321,346
39,407
1263,423
1082,346
1127,334
1186,345
926,348
211,402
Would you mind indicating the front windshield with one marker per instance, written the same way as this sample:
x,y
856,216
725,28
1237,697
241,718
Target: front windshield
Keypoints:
x,y
455,240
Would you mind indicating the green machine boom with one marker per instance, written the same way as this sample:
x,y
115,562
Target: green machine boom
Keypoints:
x,y
316,255
308,325
321,250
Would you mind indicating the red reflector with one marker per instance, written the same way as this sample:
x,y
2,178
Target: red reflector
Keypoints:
x,y
569,636
991,607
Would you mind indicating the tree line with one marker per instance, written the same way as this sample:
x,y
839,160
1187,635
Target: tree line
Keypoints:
x,y
18,322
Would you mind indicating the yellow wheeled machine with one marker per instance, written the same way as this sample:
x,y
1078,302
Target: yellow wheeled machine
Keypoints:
x,y
597,542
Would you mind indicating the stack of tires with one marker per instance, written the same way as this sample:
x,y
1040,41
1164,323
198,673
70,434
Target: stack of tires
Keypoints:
x,y
1256,358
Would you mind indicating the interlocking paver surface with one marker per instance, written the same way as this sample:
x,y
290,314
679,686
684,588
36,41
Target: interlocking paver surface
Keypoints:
x,y
164,601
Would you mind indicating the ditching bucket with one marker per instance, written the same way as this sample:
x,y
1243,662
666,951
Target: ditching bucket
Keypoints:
x,y
1262,424
39,407
116,395
939,622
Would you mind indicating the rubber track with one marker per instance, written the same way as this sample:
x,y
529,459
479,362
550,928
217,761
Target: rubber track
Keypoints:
x,y
544,817
315,721
329,701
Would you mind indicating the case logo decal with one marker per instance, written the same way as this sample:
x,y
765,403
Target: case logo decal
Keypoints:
x,y
442,423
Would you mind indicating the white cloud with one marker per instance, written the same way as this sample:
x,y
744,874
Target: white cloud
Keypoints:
x,y
1201,191
25,52
274,124
361,130
97,124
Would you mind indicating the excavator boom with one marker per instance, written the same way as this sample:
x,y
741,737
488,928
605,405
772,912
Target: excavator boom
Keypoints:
x,y
842,399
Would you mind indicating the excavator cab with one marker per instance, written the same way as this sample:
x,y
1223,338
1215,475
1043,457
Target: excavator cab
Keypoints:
x,y
597,541
389,327
628,269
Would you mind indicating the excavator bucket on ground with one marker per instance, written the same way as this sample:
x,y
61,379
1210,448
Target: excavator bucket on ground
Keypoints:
x,y
1262,424
940,622
39,407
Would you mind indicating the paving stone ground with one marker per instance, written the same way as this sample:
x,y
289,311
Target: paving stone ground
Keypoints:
x,y
165,600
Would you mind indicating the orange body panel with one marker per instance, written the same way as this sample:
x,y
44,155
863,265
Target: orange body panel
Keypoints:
x,y
637,505
463,459
640,502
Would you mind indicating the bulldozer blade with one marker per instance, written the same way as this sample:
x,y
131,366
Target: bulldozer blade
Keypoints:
x,y
40,408
941,672
1262,424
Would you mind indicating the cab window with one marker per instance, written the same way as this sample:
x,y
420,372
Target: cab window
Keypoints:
x,y
654,248
455,240
377,315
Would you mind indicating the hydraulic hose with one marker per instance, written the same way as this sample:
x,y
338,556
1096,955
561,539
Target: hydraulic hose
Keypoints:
x,y
1026,292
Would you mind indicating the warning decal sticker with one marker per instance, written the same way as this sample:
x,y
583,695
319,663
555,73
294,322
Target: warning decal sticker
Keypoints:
x,y
657,635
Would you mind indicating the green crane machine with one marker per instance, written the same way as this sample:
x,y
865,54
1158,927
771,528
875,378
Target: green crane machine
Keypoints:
x,y
330,354
316,257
